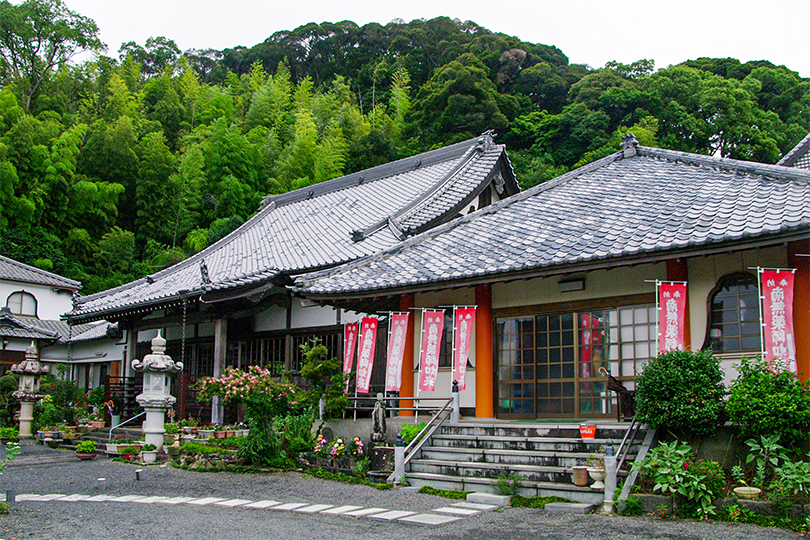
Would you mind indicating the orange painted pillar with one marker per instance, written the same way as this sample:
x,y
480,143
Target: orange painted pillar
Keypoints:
x,y
677,270
801,303
484,372
406,302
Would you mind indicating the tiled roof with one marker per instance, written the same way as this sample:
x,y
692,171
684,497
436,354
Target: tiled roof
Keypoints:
x,y
799,156
614,211
17,327
91,332
317,226
11,270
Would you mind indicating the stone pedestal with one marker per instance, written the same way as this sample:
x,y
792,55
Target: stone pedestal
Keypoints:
x,y
156,397
26,418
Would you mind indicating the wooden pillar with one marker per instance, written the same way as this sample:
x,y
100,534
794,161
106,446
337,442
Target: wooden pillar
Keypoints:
x,y
484,372
801,303
220,349
677,270
406,302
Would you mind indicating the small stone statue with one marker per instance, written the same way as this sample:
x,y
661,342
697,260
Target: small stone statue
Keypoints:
x,y
378,419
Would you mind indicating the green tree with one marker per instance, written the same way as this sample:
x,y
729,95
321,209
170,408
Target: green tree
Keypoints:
x,y
117,249
158,54
36,36
154,200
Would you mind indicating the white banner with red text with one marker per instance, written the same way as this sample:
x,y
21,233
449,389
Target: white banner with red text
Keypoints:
x,y
671,316
365,358
432,327
777,319
397,334
463,320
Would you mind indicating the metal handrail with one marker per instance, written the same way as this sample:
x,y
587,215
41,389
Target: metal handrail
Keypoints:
x,y
109,437
422,437
623,450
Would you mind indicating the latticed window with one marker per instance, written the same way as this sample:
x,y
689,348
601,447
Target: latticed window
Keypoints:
x,y
734,320
22,303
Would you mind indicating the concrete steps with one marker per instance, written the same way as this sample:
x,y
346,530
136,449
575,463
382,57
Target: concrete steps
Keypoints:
x,y
470,457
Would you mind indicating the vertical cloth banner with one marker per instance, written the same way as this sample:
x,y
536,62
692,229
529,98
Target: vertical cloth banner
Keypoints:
x,y
365,359
671,316
396,351
349,346
462,335
777,319
432,327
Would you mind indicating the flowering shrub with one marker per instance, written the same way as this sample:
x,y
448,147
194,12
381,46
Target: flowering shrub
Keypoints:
x,y
264,395
507,484
338,448
356,446
320,446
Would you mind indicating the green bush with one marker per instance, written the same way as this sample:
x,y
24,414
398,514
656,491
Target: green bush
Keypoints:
x,y
766,403
681,391
507,484
410,431
86,447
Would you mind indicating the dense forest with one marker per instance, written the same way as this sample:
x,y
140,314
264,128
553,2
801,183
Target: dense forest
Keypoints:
x,y
118,166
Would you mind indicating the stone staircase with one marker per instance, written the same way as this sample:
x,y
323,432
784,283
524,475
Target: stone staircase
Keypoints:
x,y
469,456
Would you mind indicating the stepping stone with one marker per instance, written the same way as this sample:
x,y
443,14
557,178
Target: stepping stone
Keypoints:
x,y
126,498
75,497
409,489
26,497
475,506
431,520
151,500
233,502
52,497
365,512
178,500
288,507
313,509
262,504
341,510
457,511
94,498
569,508
489,498
392,515
204,501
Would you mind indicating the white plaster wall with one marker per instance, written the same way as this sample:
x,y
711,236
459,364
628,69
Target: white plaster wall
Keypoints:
x,y
350,316
274,318
50,304
598,284
309,316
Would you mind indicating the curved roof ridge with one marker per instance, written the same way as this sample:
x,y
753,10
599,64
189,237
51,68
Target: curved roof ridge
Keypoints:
x,y
25,273
796,153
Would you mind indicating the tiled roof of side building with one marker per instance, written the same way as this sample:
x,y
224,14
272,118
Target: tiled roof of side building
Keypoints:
x,y
314,227
17,327
799,156
11,270
610,212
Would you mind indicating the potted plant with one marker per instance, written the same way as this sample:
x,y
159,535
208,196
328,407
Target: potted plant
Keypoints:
x,y
130,451
596,470
205,433
149,453
86,450
744,491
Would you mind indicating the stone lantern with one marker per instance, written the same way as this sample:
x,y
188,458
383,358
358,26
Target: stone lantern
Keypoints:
x,y
156,397
29,370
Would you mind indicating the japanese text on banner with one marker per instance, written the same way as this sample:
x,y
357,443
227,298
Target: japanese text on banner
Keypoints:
x,y
433,325
463,330
671,317
365,359
396,351
777,319
349,346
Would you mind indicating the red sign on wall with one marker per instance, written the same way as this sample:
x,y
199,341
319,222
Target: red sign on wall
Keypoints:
x,y
432,326
777,319
396,351
671,317
365,359
462,335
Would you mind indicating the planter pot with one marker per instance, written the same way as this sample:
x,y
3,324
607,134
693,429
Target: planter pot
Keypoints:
x,y
149,456
219,434
580,476
85,457
229,433
68,435
745,492
112,448
206,433
96,424
597,475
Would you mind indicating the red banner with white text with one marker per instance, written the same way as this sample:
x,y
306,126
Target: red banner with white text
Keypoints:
x,y
349,346
432,326
462,334
671,317
365,358
777,318
396,351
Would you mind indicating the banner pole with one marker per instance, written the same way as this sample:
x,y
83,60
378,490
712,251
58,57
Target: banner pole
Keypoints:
x,y
419,371
453,352
357,354
760,301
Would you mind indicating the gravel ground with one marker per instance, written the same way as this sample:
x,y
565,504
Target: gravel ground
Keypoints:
x,y
39,471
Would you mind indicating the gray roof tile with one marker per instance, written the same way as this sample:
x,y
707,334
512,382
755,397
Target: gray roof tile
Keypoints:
x,y
615,208
296,231
11,270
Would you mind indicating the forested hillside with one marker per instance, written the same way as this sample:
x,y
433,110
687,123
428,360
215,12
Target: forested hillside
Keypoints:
x,y
113,168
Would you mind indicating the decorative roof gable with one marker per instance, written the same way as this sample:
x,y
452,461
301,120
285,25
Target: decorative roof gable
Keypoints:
x,y
799,156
